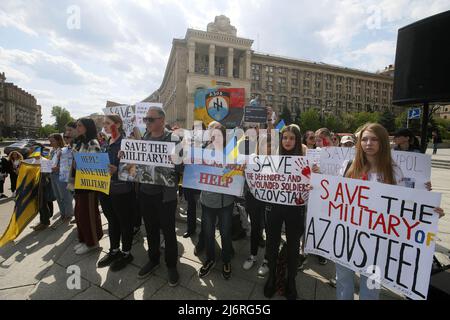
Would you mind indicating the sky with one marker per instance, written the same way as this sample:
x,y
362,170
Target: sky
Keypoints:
x,y
79,54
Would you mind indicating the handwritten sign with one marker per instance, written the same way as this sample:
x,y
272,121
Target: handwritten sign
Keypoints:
x,y
416,168
211,175
147,152
382,231
279,179
46,165
127,114
92,172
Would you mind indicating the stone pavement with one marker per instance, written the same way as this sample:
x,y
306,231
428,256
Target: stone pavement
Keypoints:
x,y
35,267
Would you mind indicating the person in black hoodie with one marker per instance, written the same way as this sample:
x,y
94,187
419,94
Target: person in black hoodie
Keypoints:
x,y
116,205
293,218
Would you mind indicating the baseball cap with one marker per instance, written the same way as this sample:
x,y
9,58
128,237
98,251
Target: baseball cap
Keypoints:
x,y
345,139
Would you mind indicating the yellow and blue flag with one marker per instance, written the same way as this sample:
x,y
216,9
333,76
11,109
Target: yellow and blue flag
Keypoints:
x,y
280,125
27,202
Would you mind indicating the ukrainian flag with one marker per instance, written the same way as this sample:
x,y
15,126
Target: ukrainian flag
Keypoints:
x,y
36,153
280,125
27,204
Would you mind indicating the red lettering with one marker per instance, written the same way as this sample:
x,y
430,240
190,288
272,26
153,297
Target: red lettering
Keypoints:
x,y
392,225
325,188
361,196
409,227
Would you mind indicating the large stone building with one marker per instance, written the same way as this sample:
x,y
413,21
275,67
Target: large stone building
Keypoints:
x,y
20,116
219,58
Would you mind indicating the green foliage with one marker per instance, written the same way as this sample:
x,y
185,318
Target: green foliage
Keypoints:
x,y
62,116
387,120
286,115
310,120
47,130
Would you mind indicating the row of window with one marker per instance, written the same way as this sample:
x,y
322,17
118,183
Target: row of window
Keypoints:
x,y
318,76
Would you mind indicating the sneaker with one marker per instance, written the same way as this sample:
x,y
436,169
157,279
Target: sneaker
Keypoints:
x,y
39,227
226,271
206,268
147,269
323,261
173,277
108,259
2,196
163,244
85,249
249,263
121,262
77,246
263,269
74,221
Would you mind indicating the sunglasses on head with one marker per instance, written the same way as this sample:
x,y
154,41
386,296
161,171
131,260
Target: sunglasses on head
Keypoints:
x,y
149,119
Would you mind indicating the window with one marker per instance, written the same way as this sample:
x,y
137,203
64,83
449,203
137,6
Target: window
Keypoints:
x,y
307,102
283,99
294,82
318,102
306,83
269,97
339,87
308,74
255,77
281,70
294,90
328,77
270,78
317,85
349,88
294,73
270,88
306,92
282,80
269,68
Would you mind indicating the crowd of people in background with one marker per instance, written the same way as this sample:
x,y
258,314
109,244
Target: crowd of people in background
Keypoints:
x,y
130,203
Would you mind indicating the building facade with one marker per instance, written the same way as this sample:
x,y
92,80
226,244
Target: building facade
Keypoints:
x,y
20,116
444,111
219,58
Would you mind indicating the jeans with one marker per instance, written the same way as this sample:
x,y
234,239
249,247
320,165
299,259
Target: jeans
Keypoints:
x,y
345,285
210,215
63,196
160,215
256,210
191,197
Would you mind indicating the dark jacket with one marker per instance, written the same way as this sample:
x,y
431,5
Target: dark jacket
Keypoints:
x,y
169,193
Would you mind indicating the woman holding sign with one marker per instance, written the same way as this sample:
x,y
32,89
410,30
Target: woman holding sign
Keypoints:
x,y
116,205
293,218
373,162
87,215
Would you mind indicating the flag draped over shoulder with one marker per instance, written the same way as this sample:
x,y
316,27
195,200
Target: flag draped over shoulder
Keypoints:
x,y
27,204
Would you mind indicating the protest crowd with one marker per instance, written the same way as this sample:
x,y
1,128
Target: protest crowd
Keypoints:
x,y
275,178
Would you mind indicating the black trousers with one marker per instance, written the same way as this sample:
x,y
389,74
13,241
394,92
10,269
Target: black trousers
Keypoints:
x,y
191,197
256,210
160,216
13,177
137,219
293,218
120,219
2,183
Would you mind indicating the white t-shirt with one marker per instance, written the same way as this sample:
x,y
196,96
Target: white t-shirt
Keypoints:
x,y
398,175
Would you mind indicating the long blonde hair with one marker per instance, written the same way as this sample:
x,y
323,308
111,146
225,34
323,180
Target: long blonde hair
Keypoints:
x,y
385,164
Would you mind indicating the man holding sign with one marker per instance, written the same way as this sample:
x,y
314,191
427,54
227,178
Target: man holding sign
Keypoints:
x,y
158,203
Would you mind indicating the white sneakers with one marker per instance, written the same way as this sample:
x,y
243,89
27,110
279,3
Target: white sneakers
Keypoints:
x,y
83,248
249,263
262,270
77,246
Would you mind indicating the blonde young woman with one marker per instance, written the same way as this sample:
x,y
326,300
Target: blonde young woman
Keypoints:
x,y
373,162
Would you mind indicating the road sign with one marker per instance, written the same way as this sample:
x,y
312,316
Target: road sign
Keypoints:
x,y
414,113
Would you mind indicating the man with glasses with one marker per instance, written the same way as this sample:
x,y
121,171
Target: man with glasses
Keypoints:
x,y
158,206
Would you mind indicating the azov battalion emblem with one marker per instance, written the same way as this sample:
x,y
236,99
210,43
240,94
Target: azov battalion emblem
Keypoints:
x,y
218,105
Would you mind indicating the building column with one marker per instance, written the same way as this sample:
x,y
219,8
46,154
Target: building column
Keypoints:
x,y
230,62
212,54
248,66
241,67
191,49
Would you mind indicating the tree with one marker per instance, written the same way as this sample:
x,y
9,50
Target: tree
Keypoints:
x,y
62,116
286,115
349,122
47,130
297,115
387,120
310,120
333,123
362,118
